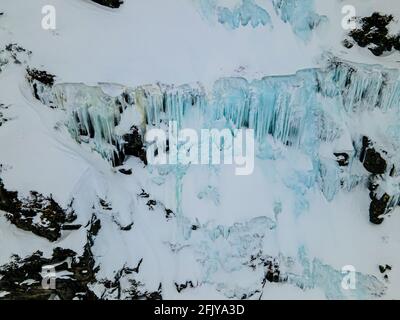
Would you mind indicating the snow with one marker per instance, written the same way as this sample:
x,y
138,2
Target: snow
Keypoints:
x,y
169,53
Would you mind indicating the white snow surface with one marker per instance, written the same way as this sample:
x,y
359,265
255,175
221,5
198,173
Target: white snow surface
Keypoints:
x,y
170,41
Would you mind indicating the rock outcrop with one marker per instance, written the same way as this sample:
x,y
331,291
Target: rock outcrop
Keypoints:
x,y
38,214
373,33
110,3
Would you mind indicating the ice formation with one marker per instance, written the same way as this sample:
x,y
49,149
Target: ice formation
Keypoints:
x,y
247,12
327,142
312,111
306,111
300,15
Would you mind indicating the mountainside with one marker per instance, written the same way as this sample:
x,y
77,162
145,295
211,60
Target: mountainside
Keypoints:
x,y
309,211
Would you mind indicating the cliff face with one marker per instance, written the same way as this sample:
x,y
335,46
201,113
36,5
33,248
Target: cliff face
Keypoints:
x,y
84,214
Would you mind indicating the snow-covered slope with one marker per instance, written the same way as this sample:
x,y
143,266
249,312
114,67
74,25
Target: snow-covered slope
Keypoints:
x,y
75,183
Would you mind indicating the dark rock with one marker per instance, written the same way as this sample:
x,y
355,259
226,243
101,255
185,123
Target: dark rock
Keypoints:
x,y
373,33
105,205
127,228
39,79
385,268
382,202
118,158
37,213
342,159
392,171
126,171
373,162
125,287
13,53
378,208
71,227
272,273
372,159
41,76
348,44
79,274
110,3
138,266
14,276
151,204
3,119
144,194
134,145
169,213
94,226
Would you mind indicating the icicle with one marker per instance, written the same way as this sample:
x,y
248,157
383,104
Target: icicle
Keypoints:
x,y
247,12
300,14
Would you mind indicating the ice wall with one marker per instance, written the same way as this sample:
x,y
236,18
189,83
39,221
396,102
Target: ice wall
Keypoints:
x,y
321,113
300,14
316,111
246,13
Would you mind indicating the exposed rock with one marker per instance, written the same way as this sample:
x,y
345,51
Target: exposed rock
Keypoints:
x,y
105,205
270,265
94,228
144,194
124,286
342,159
385,268
71,227
373,33
384,194
383,198
13,53
40,81
134,145
378,208
347,44
36,213
3,119
41,76
372,160
122,227
126,171
151,204
169,213
110,3
23,279
128,227
272,270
